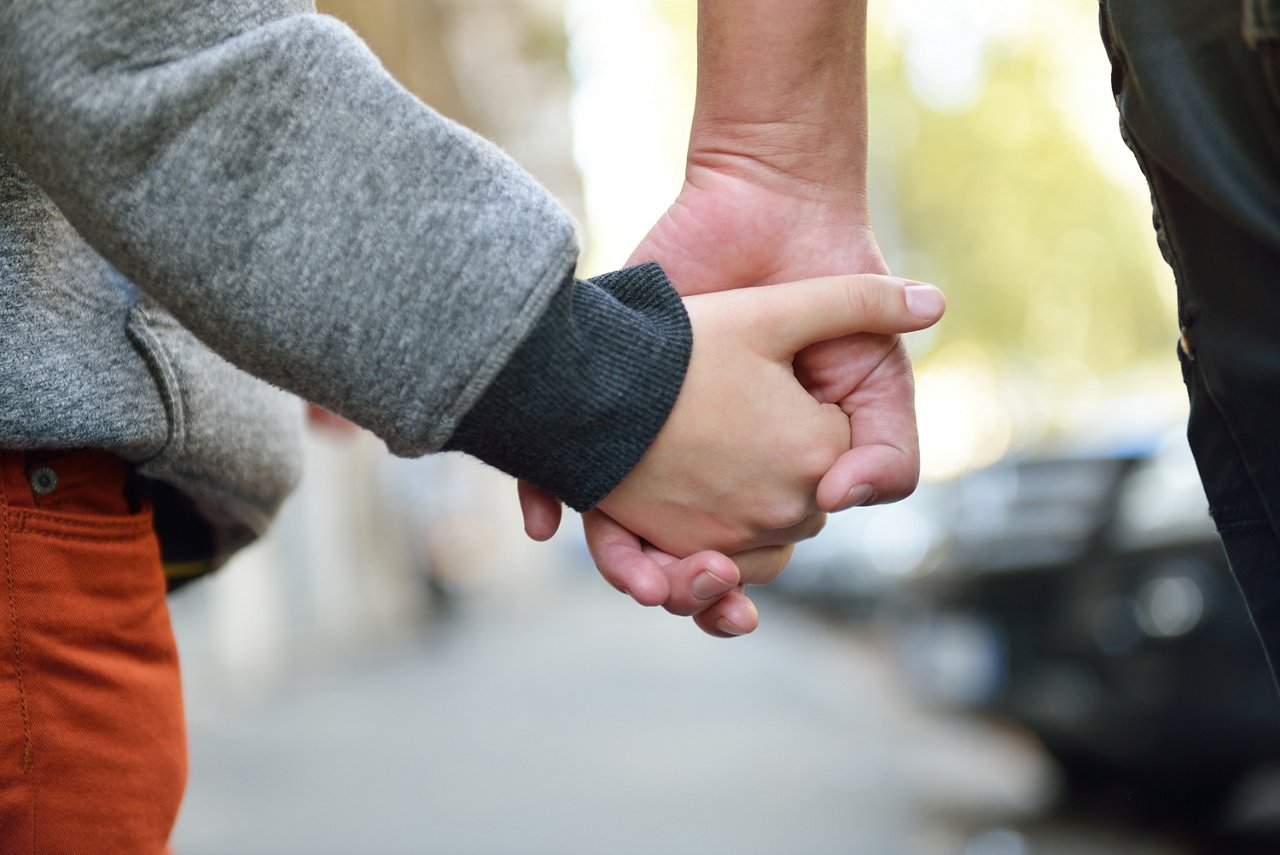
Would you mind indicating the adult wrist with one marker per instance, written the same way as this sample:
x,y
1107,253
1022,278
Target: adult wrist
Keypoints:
x,y
831,187
783,82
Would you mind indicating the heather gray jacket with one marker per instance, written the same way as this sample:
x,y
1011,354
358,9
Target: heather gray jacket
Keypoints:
x,y
194,193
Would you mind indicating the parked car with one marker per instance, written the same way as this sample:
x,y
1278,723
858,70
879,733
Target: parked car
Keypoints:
x,y
1085,596
863,554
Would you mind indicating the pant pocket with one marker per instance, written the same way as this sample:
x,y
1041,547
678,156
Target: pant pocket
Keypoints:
x,y
96,755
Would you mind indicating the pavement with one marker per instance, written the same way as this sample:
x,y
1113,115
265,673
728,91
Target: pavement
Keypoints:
x,y
560,718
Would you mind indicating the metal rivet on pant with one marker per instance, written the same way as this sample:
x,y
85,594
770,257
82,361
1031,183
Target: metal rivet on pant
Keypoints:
x,y
1184,342
43,481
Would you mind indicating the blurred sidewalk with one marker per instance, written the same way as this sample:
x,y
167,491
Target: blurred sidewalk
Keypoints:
x,y
560,718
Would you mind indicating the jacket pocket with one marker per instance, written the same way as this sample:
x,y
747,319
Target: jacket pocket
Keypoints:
x,y
140,328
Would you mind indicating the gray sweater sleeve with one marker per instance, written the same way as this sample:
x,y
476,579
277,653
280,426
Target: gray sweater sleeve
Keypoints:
x,y
583,396
253,169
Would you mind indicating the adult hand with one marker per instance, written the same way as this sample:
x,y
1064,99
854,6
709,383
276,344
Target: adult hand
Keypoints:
x,y
706,585
746,221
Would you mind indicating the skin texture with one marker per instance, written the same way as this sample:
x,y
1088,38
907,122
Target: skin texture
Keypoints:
x,y
775,190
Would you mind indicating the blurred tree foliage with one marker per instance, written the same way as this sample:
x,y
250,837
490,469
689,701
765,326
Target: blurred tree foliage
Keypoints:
x,y
408,39
1045,261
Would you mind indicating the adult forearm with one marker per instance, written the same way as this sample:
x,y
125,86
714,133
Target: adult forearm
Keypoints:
x,y
783,83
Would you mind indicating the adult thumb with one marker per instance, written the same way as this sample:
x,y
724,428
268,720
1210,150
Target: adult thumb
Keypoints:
x,y
798,314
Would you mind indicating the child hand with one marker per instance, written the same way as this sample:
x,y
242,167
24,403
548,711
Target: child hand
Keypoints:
x,y
738,463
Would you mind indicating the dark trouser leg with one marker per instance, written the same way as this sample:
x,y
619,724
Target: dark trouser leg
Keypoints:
x,y
1195,81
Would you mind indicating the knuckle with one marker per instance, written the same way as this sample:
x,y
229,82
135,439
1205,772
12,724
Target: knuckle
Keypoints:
x,y
815,460
814,525
786,512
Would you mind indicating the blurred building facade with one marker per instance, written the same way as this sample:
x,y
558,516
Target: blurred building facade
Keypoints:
x,y
497,66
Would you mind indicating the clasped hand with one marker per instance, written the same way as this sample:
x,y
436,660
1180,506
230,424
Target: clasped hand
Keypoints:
x,y
748,455
739,464
740,222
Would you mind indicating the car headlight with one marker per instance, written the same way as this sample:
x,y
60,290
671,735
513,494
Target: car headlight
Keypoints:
x,y
1170,606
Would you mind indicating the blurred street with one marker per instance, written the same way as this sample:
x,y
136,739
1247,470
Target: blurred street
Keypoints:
x,y
561,718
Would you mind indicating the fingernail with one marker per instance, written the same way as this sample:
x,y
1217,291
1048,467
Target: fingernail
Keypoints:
x,y
707,586
858,496
925,301
727,628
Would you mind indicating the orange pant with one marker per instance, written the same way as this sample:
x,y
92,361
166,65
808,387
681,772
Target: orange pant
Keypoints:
x,y
92,742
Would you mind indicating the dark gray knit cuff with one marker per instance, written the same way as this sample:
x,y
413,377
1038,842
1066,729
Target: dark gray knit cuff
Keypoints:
x,y
584,395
